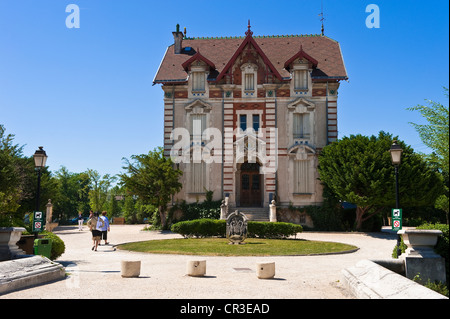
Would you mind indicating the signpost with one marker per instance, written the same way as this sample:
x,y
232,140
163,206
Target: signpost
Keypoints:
x,y
396,219
38,222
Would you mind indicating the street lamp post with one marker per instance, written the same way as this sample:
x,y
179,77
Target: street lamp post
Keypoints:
x,y
40,158
396,157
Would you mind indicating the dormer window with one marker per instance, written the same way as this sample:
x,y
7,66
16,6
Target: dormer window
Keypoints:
x,y
198,81
249,78
249,82
301,80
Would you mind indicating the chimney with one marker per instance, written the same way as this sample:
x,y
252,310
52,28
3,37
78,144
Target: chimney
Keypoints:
x,y
178,40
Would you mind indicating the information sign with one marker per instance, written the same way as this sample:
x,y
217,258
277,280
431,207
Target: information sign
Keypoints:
x,y
396,219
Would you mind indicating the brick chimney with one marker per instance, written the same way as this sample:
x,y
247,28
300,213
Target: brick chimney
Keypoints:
x,y
178,40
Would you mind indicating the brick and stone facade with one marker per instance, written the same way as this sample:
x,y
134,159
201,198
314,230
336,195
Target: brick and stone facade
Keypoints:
x,y
245,117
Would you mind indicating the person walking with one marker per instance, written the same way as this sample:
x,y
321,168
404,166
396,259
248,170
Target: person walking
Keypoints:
x,y
105,228
95,224
80,221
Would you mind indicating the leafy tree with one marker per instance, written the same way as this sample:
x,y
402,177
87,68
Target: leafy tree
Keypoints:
x,y
153,178
435,135
10,183
99,189
18,182
358,169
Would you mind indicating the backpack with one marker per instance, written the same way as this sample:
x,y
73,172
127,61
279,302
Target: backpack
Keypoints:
x,y
100,224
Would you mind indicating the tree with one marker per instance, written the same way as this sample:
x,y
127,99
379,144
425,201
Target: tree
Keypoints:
x,y
358,170
10,190
99,189
153,178
435,135
18,182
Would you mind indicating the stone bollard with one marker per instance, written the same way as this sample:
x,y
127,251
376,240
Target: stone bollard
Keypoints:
x,y
131,268
265,270
196,268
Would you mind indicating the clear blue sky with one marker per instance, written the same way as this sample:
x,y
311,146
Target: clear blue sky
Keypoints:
x,y
86,94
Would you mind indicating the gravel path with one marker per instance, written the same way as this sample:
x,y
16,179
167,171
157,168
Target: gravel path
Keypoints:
x,y
98,274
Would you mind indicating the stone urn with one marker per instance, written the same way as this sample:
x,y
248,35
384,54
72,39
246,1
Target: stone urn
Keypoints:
x,y
420,242
9,236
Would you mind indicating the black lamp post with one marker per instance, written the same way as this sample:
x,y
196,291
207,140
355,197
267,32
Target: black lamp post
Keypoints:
x,y
40,158
396,157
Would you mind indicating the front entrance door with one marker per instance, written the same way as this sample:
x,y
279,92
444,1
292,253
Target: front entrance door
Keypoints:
x,y
250,185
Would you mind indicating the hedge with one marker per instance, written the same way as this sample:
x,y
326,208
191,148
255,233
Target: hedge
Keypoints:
x,y
217,228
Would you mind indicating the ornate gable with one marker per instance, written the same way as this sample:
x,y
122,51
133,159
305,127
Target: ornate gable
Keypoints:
x,y
249,52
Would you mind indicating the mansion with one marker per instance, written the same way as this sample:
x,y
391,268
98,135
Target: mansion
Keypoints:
x,y
245,117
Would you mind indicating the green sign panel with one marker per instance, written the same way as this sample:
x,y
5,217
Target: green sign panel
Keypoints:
x,y
396,219
38,222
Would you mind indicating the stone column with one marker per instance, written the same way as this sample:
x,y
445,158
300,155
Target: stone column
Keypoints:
x,y
49,216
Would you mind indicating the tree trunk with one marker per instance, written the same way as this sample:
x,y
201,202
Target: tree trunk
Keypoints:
x,y
162,216
360,211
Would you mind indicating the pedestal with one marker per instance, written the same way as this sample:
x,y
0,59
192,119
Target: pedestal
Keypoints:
x,y
420,258
9,236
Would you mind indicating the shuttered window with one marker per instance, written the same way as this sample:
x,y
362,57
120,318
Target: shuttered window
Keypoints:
x,y
198,81
302,177
301,127
300,80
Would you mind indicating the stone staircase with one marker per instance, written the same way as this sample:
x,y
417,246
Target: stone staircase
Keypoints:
x,y
259,214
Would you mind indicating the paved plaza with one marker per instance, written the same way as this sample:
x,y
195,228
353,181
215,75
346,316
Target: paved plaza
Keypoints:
x,y
98,274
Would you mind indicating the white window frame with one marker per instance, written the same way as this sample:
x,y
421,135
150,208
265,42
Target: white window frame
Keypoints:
x,y
249,79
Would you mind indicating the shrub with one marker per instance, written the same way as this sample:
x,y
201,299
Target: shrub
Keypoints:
x,y
217,228
58,246
272,230
200,228
206,210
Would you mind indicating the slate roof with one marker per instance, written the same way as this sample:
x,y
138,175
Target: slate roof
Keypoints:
x,y
278,49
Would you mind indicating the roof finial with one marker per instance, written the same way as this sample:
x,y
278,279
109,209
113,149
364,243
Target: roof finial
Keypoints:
x,y
322,18
249,32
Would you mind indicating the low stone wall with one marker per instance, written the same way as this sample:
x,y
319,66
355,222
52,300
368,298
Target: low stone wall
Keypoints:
x,y
287,215
369,280
28,271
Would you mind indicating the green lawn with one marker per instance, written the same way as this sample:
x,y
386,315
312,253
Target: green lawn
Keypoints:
x,y
252,247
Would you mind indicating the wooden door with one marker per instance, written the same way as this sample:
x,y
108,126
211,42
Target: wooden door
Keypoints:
x,y
250,186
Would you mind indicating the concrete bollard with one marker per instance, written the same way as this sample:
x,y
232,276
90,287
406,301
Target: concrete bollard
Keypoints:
x,y
196,268
131,268
265,270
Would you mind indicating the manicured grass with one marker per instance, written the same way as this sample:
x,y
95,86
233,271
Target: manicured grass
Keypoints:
x,y
252,247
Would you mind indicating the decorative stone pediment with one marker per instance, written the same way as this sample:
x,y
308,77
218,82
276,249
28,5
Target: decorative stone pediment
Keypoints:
x,y
301,151
301,105
198,106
